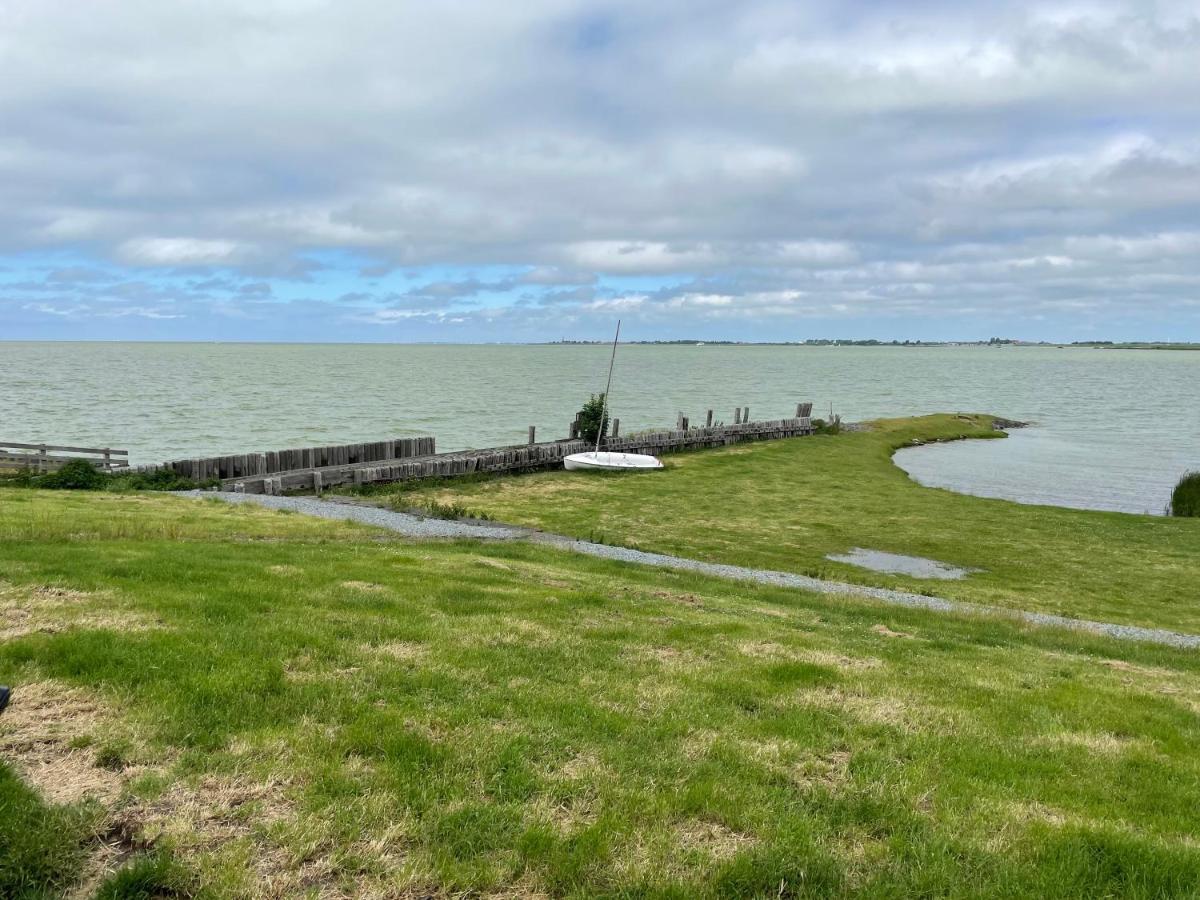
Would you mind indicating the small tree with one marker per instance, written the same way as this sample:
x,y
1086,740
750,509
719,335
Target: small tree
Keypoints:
x,y
593,419
1185,499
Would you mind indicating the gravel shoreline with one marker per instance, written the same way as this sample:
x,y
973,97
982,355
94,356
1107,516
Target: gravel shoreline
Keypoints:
x,y
418,527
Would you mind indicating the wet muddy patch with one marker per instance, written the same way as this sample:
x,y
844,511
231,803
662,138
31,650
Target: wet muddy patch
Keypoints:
x,y
898,564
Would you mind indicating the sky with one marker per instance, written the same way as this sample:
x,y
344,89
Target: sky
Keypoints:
x,y
474,170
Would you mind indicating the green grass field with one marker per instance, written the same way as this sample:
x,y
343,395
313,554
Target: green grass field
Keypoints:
x,y
219,701
786,505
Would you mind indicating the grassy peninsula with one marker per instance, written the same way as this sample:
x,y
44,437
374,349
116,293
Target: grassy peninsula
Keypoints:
x,y
786,505
219,701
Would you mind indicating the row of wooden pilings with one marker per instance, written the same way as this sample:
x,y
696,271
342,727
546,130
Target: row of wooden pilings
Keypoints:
x,y
741,415
521,457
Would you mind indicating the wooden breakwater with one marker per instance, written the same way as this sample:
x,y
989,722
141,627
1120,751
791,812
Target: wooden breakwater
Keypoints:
x,y
512,459
251,465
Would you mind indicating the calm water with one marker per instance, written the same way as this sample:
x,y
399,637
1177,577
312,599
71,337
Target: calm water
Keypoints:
x,y
1115,428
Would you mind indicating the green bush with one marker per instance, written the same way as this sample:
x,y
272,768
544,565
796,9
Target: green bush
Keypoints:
x,y
77,475
833,426
158,480
81,475
593,419
1185,499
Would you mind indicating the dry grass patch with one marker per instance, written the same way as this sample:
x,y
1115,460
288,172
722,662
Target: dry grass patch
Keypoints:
x,y
1100,742
408,651
672,659
802,765
871,708
366,587
40,734
712,838
680,597
48,609
773,650
887,632
839,660
285,570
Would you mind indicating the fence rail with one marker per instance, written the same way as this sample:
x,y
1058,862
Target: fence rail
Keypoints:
x,y
50,457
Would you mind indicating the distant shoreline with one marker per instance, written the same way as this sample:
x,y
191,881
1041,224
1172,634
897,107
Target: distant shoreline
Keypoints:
x,y
1076,345
821,342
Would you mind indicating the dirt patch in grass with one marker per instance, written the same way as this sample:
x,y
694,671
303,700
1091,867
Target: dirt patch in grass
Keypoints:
x,y
41,734
285,570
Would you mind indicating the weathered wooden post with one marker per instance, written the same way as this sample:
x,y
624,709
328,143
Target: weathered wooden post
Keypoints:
x,y
798,406
616,429
317,482
737,415
745,414
684,422
708,420
532,432
43,463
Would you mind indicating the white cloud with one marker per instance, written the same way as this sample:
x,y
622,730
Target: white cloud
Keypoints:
x,y
179,252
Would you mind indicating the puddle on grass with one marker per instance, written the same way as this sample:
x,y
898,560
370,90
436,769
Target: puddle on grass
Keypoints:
x,y
897,564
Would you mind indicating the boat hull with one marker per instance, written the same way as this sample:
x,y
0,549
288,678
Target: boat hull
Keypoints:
x,y
611,462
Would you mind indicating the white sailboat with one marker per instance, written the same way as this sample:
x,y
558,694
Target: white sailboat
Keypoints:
x,y
607,461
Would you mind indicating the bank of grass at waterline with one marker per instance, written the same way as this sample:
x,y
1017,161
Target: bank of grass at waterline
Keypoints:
x,y
788,505
264,703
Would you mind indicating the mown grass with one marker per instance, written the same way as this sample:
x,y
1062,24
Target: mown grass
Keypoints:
x,y
787,505
289,707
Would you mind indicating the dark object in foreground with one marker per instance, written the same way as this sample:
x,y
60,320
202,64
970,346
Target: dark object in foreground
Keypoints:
x,y
1185,499
5,693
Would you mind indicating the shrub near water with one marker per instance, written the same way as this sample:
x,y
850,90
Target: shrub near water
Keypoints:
x,y
81,475
1185,499
77,475
593,419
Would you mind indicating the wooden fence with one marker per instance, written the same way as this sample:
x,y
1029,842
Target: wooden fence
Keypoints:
x,y
516,458
48,457
249,465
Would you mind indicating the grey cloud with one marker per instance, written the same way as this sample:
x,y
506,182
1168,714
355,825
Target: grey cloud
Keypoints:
x,y
854,153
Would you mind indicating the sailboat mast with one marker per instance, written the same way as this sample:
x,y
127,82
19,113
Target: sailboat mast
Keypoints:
x,y
608,385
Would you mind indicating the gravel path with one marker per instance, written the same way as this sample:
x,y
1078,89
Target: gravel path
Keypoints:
x,y
415,526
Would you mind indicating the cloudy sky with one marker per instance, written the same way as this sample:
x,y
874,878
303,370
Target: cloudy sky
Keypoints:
x,y
475,170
